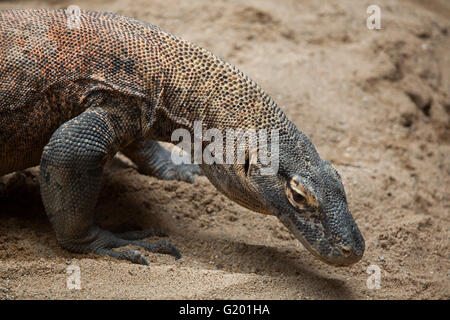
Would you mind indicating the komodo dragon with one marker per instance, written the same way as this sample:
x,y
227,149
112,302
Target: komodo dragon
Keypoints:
x,y
72,97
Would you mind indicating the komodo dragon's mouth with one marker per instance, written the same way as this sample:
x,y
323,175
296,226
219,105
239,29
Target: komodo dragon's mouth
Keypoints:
x,y
344,261
334,254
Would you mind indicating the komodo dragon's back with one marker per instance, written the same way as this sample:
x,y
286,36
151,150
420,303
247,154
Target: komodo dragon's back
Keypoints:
x,y
41,50
50,68
76,88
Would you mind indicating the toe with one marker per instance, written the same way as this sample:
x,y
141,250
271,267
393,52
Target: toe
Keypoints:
x,y
137,257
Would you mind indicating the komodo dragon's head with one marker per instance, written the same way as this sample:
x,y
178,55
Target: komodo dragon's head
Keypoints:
x,y
305,193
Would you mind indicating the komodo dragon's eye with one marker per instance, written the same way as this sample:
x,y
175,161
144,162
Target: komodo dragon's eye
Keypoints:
x,y
299,197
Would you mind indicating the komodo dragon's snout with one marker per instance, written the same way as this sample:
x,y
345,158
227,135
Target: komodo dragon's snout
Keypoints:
x,y
306,194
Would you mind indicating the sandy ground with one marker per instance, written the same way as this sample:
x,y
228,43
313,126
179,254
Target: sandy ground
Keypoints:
x,y
375,103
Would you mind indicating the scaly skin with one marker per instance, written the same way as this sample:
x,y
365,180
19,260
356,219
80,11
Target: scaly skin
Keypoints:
x,y
71,98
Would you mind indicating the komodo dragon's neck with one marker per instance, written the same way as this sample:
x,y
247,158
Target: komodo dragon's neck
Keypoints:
x,y
198,86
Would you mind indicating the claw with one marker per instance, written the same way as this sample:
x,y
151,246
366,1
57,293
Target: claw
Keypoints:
x,y
176,253
137,257
162,246
186,172
130,255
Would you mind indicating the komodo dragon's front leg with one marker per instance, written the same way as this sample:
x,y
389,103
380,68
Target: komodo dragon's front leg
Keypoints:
x,y
154,160
71,172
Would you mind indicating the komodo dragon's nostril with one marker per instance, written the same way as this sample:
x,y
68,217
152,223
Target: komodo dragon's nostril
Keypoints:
x,y
346,251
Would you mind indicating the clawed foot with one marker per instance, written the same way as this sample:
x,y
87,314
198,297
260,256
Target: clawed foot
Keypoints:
x,y
135,256
181,172
133,238
154,160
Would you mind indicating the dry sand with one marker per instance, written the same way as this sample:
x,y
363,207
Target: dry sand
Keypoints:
x,y
375,103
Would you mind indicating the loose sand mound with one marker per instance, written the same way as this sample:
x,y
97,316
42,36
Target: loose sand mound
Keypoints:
x,y
375,103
